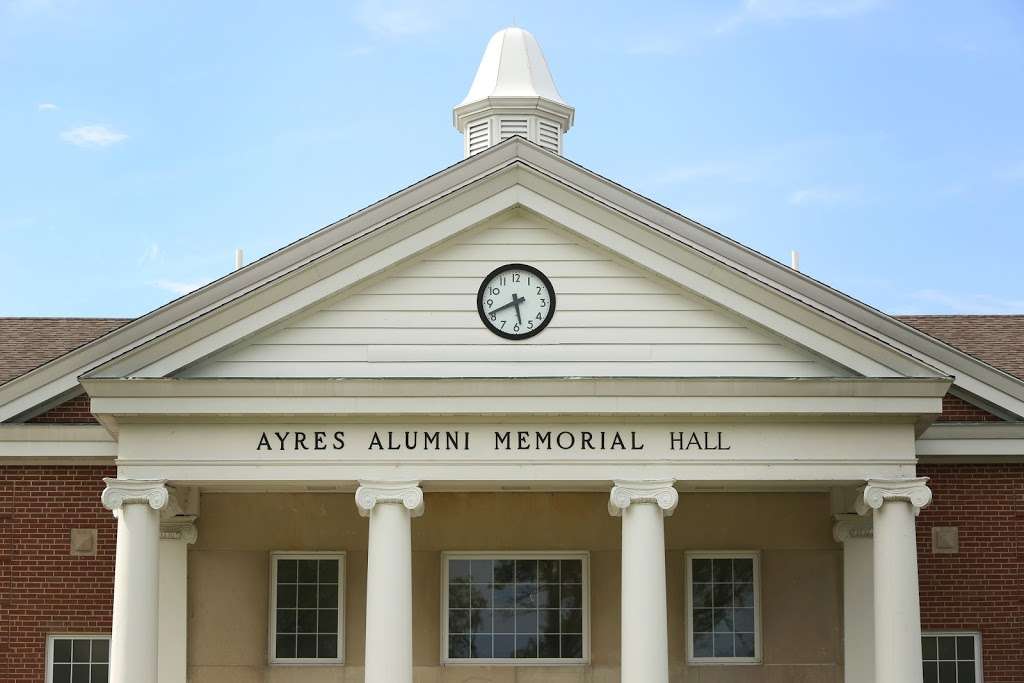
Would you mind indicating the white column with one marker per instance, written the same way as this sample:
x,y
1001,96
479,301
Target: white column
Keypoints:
x,y
133,641
854,532
643,506
894,503
390,507
175,537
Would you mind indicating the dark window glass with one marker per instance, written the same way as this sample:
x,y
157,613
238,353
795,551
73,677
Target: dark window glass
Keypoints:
x,y
949,658
307,621
62,650
512,608
80,660
722,608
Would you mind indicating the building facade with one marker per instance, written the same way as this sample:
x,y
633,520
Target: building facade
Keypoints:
x,y
513,423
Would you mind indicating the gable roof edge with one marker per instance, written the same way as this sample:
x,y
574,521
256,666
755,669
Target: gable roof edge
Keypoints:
x,y
973,374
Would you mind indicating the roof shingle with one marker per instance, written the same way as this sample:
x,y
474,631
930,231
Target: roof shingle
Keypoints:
x,y
27,343
995,339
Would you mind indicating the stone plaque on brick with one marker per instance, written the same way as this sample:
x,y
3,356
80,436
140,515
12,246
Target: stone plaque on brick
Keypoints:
x,y
83,541
945,540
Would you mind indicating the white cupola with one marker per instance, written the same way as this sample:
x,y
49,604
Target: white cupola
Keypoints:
x,y
513,94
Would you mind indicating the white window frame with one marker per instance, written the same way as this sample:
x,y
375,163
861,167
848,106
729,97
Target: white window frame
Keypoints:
x,y
691,555
518,555
70,636
978,675
272,620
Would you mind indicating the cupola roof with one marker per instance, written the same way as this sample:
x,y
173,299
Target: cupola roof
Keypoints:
x,y
513,94
513,65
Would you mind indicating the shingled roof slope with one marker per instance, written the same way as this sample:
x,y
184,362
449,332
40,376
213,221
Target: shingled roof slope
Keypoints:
x,y
995,339
27,343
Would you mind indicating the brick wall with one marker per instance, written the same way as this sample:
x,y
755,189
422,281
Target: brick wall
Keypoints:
x,y
982,587
72,411
955,409
43,589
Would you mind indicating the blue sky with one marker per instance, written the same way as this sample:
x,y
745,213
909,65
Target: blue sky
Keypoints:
x,y
142,142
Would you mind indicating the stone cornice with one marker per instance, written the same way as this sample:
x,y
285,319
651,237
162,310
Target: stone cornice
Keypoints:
x,y
851,526
121,492
406,493
661,492
879,491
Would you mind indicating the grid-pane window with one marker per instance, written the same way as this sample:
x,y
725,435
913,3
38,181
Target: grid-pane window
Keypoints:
x,y
951,657
78,659
307,607
515,608
723,610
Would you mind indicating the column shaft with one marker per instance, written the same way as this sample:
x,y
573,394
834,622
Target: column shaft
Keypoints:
x,y
389,596
854,532
643,506
390,507
895,503
175,538
644,601
897,607
134,637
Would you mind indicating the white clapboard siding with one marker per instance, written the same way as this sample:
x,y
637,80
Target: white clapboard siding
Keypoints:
x,y
551,369
420,320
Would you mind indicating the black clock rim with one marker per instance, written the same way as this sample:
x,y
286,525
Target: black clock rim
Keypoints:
x,y
510,335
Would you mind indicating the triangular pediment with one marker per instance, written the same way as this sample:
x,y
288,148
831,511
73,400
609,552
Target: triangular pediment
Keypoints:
x,y
612,319
789,317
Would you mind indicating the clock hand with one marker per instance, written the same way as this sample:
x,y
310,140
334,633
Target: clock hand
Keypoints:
x,y
511,303
516,302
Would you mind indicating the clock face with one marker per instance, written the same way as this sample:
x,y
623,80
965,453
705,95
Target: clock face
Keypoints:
x,y
516,301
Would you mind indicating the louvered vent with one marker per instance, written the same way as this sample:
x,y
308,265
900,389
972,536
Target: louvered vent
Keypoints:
x,y
547,136
510,127
479,137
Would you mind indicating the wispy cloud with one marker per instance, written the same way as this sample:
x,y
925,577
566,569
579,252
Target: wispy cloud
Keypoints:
x,y
399,18
779,11
179,288
151,254
954,302
47,106
727,171
93,136
823,195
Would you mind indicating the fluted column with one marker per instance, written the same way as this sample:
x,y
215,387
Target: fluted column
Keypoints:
x,y
390,507
893,504
854,532
643,506
134,638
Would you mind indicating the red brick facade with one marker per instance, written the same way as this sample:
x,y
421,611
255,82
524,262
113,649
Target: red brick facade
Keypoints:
x,y
982,587
955,409
72,411
43,588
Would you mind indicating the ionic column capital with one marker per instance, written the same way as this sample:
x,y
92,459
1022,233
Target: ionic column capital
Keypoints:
x,y
850,526
660,492
878,491
406,493
121,492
